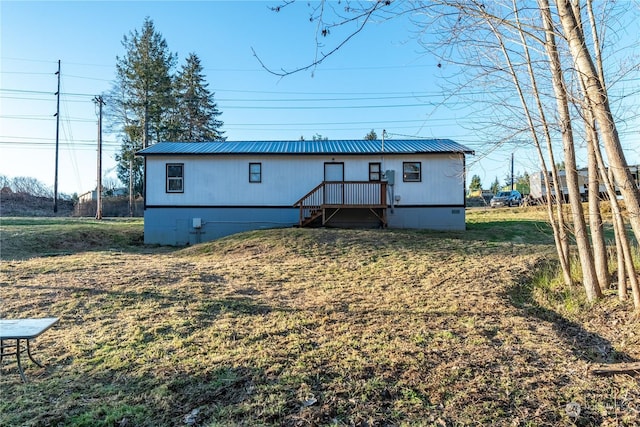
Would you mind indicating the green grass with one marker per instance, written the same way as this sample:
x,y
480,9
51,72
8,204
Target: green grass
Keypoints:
x,y
27,237
309,327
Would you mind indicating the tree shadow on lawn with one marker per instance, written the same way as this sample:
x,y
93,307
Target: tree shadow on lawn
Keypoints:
x,y
585,345
119,398
142,394
202,304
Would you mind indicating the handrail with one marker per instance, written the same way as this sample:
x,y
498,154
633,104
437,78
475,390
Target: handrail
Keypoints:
x,y
341,194
309,194
311,202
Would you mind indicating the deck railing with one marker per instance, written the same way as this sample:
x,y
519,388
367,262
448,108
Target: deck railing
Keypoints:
x,y
343,194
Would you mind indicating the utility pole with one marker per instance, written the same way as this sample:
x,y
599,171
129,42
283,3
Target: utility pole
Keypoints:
x,y
98,100
55,181
512,172
131,187
145,141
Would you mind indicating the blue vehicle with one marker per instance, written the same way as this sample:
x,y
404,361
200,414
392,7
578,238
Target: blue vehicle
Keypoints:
x,y
506,198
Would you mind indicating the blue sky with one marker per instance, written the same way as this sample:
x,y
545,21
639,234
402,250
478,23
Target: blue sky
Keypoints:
x,y
382,79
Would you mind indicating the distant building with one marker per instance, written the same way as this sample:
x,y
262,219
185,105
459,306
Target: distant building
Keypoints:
x,y
538,191
92,196
87,197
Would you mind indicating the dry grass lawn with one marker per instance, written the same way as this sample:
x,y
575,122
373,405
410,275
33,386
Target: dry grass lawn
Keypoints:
x,y
314,327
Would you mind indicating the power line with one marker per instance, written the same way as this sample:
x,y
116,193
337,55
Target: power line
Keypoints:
x,y
317,107
26,73
68,140
42,92
414,96
45,118
373,122
361,95
89,78
44,61
35,144
380,95
368,98
49,61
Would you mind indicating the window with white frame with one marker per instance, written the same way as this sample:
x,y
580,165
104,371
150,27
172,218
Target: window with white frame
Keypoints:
x,y
411,171
255,172
175,177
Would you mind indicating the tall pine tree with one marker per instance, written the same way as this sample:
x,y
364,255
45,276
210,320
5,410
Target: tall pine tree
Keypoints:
x,y
142,99
149,104
196,109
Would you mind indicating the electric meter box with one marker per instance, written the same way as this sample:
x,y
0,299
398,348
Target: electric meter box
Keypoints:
x,y
390,176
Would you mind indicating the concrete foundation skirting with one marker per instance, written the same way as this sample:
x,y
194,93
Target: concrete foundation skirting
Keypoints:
x,y
181,226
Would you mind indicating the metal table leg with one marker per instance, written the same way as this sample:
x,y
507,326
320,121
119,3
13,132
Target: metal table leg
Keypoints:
x,y
18,330
30,356
18,351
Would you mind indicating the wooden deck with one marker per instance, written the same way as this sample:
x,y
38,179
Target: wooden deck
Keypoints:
x,y
329,197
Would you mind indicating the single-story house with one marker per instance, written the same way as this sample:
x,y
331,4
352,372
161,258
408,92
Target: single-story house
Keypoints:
x,y
202,191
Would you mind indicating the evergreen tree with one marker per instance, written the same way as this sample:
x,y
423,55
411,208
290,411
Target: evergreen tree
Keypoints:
x,y
495,186
371,136
522,183
197,111
129,165
475,184
141,102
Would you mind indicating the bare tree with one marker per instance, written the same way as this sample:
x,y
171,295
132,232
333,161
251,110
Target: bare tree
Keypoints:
x,y
544,58
557,223
595,90
595,217
626,267
5,182
31,186
359,15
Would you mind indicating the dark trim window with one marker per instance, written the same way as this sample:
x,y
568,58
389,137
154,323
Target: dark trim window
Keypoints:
x,y
255,172
375,174
411,171
175,177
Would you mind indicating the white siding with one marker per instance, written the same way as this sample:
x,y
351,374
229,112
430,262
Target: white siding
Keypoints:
x,y
442,180
224,180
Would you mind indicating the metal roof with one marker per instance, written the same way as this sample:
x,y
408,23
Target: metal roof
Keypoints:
x,y
354,146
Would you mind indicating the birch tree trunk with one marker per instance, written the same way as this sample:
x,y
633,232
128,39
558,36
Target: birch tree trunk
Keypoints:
x,y
625,260
589,279
560,237
623,248
622,271
601,260
596,91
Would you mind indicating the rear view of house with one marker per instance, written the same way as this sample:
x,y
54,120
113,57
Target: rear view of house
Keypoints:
x,y
196,192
